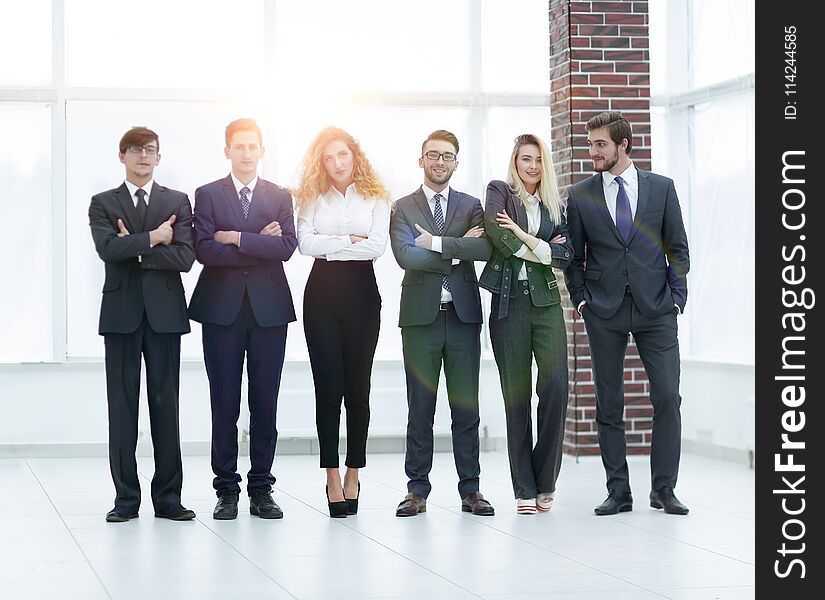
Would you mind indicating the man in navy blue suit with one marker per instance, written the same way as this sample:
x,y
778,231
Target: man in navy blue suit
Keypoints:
x,y
244,231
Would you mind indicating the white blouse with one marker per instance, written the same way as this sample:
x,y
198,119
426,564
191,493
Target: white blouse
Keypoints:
x,y
324,226
542,250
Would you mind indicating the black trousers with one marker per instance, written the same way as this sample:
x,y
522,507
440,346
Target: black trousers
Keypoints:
x,y
161,352
529,332
342,315
658,344
224,348
458,345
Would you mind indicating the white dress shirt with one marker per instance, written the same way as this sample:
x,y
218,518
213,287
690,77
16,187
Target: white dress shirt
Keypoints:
x,y
611,189
238,187
446,296
147,187
324,226
542,250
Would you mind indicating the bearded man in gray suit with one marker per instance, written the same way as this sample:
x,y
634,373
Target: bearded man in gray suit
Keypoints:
x,y
436,233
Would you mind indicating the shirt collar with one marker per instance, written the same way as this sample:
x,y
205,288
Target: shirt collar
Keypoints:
x,y
533,199
630,176
430,194
333,191
239,185
147,187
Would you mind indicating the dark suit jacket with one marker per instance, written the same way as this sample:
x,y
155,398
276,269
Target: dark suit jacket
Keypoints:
x,y
152,284
421,286
500,274
654,263
256,268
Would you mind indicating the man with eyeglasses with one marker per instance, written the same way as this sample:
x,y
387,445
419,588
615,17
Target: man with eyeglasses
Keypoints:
x,y
143,233
436,233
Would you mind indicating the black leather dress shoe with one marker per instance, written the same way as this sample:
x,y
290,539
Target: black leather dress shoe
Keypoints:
x,y
178,513
475,503
411,505
617,501
227,507
666,499
120,515
262,505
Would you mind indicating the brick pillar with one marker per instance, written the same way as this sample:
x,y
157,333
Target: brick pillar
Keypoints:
x,y
598,62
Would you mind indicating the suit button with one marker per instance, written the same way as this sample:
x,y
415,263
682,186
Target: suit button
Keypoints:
x,y
532,287
504,237
497,267
566,255
526,292
627,249
529,269
624,272
245,273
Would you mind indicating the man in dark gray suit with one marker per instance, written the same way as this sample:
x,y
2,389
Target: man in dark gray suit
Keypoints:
x,y
143,233
629,276
436,233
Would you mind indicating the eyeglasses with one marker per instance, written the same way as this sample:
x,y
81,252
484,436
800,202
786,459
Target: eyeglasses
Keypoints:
x,y
433,155
149,150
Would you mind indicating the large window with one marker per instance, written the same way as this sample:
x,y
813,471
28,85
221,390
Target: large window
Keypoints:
x,y
703,122
388,72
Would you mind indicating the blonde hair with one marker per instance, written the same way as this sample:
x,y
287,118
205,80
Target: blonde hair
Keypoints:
x,y
547,189
314,178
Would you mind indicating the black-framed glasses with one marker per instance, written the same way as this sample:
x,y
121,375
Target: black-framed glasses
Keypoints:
x,y
433,155
149,150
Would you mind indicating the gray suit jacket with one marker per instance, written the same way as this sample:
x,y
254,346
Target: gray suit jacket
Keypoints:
x,y
421,286
654,263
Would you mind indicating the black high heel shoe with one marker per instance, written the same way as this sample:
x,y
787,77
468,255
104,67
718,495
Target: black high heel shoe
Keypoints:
x,y
352,503
337,510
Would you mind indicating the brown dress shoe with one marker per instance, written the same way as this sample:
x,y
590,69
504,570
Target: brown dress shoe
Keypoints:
x,y
475,503
411,505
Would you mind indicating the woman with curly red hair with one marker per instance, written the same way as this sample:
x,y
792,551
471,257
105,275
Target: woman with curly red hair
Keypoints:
x,y
343,221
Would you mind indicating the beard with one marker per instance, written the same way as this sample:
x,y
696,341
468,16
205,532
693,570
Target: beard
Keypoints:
x,y
609,163
435,179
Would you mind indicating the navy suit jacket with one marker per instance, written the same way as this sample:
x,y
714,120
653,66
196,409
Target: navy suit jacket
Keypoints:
x,y
256,267
654,263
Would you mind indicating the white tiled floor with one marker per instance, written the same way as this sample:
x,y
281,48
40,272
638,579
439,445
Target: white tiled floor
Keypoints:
x,y
56,545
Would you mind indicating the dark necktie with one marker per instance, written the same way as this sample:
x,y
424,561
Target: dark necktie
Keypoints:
x,y
624,218
438,215
245,201
141,206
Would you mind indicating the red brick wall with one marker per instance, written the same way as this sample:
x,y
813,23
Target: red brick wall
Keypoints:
x,y
599,61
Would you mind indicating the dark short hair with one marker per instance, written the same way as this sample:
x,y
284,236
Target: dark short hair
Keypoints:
x,y
617,125
443,135
243,125
138,136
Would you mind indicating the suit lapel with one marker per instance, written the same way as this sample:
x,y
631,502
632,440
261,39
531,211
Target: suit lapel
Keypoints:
x,y
234,201
597,191
545,223
424,207
259,197
452,206
156,201
124,199
641,204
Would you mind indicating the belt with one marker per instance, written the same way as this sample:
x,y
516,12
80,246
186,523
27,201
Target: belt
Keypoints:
x,y
445,306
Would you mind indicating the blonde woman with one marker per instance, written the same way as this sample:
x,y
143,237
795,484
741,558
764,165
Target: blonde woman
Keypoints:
x,y
343,221
525,222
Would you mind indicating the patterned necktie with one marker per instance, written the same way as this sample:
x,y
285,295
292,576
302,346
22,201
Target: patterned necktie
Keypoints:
x,y
438,215
245,201
141,206
624,218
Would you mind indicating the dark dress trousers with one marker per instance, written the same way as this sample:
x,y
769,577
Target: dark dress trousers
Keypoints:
x,y
526,322
631,287
244,304
432,336
143,312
